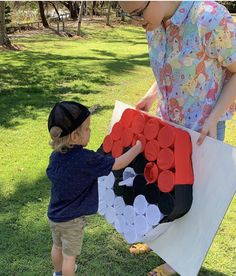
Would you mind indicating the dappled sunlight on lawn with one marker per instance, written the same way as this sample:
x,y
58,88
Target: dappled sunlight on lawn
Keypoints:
x,y
107,64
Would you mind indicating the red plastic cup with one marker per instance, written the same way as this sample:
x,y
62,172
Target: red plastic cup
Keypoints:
x,y
138,122
151,172
166,159
183,158
127,117
166,181
166,137
117,149
127,137
151,129
151,150
116,131
107,144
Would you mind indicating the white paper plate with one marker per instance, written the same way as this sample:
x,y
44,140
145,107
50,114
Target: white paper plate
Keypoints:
x,y
102,207
130,234
141,224
109,197
110,180
110,214
129,214
153,214
119,205
140,204
120,223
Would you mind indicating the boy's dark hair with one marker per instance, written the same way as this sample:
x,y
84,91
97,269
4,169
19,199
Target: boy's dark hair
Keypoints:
x,y
68,116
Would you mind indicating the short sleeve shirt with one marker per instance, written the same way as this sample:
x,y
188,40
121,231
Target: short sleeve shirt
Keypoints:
x,y
189,55
74,174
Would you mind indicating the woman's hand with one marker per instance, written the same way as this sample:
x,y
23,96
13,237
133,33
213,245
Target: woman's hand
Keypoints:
x,y
209,129
145,103
227,97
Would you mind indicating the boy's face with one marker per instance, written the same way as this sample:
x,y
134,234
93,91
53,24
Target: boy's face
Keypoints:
x,y
85,132
148,13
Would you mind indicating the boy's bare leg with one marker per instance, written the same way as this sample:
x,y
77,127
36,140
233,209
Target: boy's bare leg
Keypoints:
x,y
57,258
68,267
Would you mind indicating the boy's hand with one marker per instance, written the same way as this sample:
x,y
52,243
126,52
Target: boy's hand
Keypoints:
x,y
139,146
126,158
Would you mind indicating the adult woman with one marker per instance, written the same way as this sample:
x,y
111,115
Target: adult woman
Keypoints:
x,y
192,49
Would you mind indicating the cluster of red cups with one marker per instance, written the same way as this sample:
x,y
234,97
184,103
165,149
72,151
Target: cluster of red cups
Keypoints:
x,y
167,149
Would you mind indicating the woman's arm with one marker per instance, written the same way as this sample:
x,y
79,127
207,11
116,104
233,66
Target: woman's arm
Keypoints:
x,y
227,97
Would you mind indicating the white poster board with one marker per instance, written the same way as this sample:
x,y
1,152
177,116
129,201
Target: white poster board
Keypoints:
x,y
184,243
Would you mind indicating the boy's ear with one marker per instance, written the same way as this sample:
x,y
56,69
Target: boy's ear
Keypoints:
x,y
73,136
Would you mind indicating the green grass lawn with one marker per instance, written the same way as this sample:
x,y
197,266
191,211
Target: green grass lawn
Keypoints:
x,y
108,64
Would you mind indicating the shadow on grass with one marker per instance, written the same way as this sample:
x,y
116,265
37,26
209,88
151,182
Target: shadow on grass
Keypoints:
x,y
25,240
209,272
34,81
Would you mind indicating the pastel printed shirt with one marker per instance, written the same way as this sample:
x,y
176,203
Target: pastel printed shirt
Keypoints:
x,y
188,57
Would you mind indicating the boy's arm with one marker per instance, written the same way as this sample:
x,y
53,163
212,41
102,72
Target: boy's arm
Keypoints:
x,y
125,159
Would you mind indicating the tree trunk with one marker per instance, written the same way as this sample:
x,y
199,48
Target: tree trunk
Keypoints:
x,y
56,10
94,8
4,40
80,18
117,10
108,13
73,10
42,14
86,6
91,9
122,17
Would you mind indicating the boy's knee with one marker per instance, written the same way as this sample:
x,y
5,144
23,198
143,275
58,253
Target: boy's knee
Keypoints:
x,y
57,247
68,258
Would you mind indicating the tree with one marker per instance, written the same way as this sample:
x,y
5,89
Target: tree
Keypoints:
x,y
108,13
80,18
56,10
42,14
7,15
94,7
4,40
230,5
72,7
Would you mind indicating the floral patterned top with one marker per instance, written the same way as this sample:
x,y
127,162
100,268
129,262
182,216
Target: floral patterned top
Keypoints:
x,y
188,55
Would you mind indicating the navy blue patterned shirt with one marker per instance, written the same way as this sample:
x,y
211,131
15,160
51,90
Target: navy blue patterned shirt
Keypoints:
x,y
74,174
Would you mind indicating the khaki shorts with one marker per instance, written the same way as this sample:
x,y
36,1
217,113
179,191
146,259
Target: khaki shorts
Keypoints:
x,y
68,235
